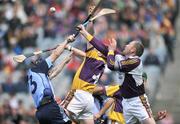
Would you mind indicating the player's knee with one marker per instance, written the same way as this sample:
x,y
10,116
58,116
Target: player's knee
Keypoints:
x,y
71,116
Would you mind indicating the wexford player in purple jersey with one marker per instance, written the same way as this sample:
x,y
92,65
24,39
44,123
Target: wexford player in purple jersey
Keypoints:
x,y
135,103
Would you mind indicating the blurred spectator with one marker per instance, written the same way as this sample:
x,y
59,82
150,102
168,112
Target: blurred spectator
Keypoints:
x,y
8,86
153,70
151,59
124,34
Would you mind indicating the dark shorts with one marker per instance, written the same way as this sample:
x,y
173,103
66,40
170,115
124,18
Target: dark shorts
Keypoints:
x,y
50,114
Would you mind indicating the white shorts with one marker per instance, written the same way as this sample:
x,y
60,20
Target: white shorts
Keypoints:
x,y
136,108
81,105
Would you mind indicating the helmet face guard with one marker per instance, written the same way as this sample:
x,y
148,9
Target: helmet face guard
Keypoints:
x,y
37,61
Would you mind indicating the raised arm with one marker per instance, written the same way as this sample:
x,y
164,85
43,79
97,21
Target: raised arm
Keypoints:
x,y
109,91
106,106
58,68
76,51
112,63
92,40
118,61
58,51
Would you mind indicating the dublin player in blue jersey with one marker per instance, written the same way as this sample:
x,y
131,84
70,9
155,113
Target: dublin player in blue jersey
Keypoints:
x,y
48,111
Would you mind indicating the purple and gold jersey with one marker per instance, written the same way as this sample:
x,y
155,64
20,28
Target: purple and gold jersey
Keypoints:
x,y
131,66
89,72
116,112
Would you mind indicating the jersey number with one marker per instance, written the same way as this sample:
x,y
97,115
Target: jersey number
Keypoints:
x,y
34,85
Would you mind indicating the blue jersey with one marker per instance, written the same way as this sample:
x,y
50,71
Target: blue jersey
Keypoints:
x,y
38,80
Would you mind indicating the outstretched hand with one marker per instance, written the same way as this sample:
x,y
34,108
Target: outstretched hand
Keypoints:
x,y
97,118
71,38
161,115
81,28
112,44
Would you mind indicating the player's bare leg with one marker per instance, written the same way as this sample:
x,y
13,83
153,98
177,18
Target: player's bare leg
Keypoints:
x,y
87,121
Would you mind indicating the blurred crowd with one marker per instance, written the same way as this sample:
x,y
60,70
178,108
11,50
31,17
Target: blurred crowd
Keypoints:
x,y
27,25
12,111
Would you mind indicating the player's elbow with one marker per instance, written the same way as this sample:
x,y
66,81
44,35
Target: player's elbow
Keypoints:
x,y
83,54
111,100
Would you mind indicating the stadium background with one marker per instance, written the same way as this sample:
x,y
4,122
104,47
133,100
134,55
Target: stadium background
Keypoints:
x,y
27,25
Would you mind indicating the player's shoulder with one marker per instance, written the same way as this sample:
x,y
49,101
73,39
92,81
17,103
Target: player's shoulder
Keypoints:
x,y
131,60
119,57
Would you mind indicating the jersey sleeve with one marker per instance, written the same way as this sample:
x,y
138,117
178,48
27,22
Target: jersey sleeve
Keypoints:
x,y
119,62
99,46
113,60
129,64
111,90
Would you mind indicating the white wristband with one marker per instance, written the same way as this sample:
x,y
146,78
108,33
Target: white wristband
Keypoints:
x,y
69,48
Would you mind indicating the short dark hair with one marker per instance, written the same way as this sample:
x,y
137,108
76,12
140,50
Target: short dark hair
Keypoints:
x,y
139,48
